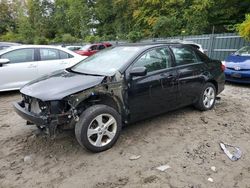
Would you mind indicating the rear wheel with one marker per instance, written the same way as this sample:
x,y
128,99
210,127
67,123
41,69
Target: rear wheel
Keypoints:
x,y
98,128
207,98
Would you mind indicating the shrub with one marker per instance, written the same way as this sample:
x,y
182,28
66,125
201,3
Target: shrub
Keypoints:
x,y
10,36
244,28
134,36
68,38
92,38
41,40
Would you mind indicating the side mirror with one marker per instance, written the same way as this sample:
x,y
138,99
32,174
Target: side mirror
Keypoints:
x,y
138,71
4,61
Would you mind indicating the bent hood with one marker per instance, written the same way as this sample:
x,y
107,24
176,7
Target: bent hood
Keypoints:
x,y
59,85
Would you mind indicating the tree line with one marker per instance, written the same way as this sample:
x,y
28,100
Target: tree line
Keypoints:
x,y
53,21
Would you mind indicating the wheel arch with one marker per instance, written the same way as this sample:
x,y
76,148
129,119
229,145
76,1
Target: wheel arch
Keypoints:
x,y
104,99
214,83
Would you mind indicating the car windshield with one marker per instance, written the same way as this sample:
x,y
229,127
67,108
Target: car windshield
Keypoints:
x,y
86,47
245,51
106,62
5,50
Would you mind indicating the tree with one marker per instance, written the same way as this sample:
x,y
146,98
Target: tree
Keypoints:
x,y
244,28
41,21
105,17
6,17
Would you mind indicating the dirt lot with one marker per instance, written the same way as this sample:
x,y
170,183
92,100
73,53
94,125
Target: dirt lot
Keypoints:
x,y
187,140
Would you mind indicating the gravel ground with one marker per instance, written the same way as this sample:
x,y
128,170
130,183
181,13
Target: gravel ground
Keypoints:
x,y
187,140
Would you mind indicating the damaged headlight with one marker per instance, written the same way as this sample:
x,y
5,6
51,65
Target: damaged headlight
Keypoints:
x,y
34,105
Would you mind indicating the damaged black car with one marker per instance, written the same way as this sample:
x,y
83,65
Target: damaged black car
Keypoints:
x,y
118,86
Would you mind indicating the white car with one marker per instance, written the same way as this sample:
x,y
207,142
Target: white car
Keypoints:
x,y
21,64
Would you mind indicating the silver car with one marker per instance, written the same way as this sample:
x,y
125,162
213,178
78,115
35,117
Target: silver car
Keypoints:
x,y
21,64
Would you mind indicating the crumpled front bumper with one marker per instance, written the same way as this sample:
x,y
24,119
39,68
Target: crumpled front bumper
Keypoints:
x,y
29,116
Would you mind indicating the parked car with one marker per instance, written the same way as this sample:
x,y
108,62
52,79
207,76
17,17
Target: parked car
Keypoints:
x,y
21,64
138,81
91,49
238,66
73,48
4,45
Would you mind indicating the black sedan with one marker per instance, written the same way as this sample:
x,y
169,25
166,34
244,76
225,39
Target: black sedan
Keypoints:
x,y
119,86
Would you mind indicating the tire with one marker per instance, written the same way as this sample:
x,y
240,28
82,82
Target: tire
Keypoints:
x,y
201,104
98,128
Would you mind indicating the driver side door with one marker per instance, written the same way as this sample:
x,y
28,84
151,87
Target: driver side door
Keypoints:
x,y
155,92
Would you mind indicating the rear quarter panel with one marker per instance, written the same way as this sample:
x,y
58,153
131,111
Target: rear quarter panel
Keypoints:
x,y
216,74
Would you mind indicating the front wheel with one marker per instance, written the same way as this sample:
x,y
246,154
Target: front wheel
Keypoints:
x,y
207,98
98,128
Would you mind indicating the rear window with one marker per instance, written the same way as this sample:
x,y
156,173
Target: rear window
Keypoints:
x,y
184,55
49,54
64,55
245,51
201,56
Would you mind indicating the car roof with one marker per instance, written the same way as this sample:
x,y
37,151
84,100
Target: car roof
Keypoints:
x,y
9,44
72,46
148,44
34,46
11,48
37,46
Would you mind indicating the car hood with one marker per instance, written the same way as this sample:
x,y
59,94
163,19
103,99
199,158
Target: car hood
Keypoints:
x,y
59,85
81,51
238,61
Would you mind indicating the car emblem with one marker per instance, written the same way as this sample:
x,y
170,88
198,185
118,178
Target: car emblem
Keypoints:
x,y
236,68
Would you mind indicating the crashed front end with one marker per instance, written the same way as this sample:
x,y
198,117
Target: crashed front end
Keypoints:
x,y
47,115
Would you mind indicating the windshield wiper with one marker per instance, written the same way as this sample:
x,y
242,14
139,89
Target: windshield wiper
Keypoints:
x,y
70,70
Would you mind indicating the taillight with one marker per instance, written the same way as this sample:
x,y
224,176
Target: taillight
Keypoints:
x,y
223,67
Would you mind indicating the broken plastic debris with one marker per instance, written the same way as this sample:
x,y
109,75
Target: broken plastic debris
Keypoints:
x,y
213,168
162,168
134,157
233,156
210,179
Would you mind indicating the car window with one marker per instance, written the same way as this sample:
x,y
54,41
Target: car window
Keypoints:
x,y
94,47
49,54
19,56
155,59
184,55
76,48
108,61
101,47
3,47
64,55
201,56
245,51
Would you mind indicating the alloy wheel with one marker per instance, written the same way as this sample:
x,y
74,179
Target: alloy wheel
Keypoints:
x,y
102,130
208,97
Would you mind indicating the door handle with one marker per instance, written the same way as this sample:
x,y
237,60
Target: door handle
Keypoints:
x,y
32,66
170,76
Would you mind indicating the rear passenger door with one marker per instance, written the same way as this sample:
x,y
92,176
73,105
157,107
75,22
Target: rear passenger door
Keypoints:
x,y
190,74
51,60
